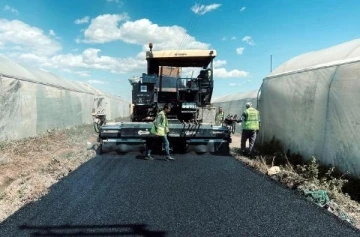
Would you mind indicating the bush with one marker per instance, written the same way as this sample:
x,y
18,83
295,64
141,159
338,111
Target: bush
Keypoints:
x,y
311,171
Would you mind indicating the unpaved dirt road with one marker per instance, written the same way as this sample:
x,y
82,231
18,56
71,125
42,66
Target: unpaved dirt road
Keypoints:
x,y
195,195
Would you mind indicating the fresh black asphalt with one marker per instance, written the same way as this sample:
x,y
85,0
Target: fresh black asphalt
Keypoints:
x,y
196,195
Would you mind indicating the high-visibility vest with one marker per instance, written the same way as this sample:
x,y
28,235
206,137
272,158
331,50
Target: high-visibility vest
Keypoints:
x,y
252,119
160,130
219,118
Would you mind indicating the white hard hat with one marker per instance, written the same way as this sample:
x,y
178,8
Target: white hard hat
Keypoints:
x,y
248,104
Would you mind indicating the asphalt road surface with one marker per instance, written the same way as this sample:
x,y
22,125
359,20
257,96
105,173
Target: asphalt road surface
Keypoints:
x,y
193,196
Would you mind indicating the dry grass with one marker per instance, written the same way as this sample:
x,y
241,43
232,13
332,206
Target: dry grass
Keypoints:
x,y
30,166
310,176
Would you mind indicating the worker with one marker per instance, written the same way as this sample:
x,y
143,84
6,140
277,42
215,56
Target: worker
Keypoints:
x,y
219,117
160,129
250,126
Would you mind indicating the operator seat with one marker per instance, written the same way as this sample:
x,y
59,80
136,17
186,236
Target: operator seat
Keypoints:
x,y
204,78
205,85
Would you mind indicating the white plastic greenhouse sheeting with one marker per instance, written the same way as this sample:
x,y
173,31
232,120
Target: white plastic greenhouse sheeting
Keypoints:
x,y
312,105
235,103
33,101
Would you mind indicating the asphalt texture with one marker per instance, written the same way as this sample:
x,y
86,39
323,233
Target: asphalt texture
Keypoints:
x,y
195,195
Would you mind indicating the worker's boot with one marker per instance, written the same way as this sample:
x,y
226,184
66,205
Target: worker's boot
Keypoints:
x,y
169,158
149,157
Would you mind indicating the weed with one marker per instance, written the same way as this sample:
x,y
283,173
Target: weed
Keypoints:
x,y
310,170
298,173
261,164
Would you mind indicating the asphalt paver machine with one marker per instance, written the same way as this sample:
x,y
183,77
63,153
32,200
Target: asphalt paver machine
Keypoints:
x,y
189,98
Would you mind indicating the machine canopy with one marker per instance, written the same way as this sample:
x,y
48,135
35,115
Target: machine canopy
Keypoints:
x,y
181,58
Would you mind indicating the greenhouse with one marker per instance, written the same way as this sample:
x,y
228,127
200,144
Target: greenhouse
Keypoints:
x,y
311,104
33,101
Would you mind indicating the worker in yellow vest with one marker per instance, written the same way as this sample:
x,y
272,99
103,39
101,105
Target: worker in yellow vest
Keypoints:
x,y
250,126
160,129
219,117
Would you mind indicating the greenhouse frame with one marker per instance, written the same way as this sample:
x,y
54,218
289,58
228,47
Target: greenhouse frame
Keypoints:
x,y
33,101
311,104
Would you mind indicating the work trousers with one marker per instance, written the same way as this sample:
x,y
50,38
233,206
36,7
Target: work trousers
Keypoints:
x,y
245,135
154,142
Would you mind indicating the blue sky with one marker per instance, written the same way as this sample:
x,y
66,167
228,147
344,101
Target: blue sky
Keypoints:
x,y
102,42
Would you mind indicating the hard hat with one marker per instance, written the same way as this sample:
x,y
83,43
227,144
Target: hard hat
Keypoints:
x,y
248,104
